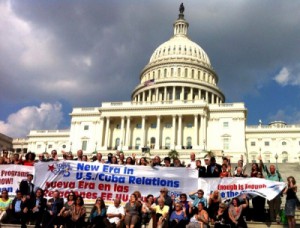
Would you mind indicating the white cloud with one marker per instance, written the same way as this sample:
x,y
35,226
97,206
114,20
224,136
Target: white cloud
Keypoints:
x,y
288,76
283,77
46,116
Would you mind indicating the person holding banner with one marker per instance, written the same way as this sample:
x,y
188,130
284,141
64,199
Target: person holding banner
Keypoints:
x,y
274,204
235,213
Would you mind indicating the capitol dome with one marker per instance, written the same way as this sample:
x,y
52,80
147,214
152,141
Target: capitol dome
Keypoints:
x,y
179,69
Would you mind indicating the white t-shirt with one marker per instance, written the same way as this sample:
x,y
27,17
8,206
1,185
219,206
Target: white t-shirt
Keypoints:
x,y
115,210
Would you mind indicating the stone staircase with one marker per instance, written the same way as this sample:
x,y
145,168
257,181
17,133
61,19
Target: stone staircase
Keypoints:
x,y
286,169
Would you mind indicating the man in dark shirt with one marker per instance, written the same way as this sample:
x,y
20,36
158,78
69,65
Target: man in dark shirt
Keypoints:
x,y
27,187
18,210
54,206
201,169
37,207
214,169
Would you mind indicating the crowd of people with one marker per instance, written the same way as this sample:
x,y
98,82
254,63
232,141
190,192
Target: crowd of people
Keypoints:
x,y
163,210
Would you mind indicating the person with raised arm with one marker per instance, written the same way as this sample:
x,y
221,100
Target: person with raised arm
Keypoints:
x,y
273,174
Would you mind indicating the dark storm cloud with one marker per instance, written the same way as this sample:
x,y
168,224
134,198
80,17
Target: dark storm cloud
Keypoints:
x,y
87,52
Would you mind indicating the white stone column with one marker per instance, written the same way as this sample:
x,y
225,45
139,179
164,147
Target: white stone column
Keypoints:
x,y
143,98
165,93
158,132
143,132
100,141
195,138
174,90
128,132
179,137
199,94
191,93
173,143
182,93
156,95
206,96
212,98
203,130
106,132
150,95
122,131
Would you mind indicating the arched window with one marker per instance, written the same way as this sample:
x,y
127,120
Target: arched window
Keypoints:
x,y
117,143
189,142
285,157
152,142
283,143
137,143
167,143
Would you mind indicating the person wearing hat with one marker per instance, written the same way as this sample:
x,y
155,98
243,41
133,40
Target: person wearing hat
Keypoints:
x,y
222,218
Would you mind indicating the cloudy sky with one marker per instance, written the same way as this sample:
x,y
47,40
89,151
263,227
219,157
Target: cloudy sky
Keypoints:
x,y
59,54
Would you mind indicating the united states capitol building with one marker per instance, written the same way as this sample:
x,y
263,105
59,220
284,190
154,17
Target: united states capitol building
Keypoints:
x,y
177,106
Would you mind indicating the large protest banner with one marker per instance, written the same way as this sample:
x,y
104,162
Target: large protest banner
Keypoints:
x,y
12,175
92,180
231,187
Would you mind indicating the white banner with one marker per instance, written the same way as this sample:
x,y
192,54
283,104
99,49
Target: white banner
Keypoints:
x,y
12,175
92,180
231,187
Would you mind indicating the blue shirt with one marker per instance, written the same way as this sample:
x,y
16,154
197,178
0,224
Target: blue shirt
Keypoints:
x,y
18,206
176,216
197,200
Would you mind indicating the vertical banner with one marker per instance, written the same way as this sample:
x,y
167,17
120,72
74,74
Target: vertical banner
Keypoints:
x,y
92,179
12,175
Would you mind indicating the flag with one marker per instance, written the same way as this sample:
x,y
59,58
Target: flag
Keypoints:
x,y
149,82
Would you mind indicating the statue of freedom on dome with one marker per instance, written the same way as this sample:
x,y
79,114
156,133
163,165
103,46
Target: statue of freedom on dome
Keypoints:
x,y
181,8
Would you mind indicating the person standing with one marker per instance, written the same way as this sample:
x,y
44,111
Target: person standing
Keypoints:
x,y
274,204
27,187
291,201
214,169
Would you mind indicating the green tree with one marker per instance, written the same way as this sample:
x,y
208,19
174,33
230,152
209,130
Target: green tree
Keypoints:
x,y
173,154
